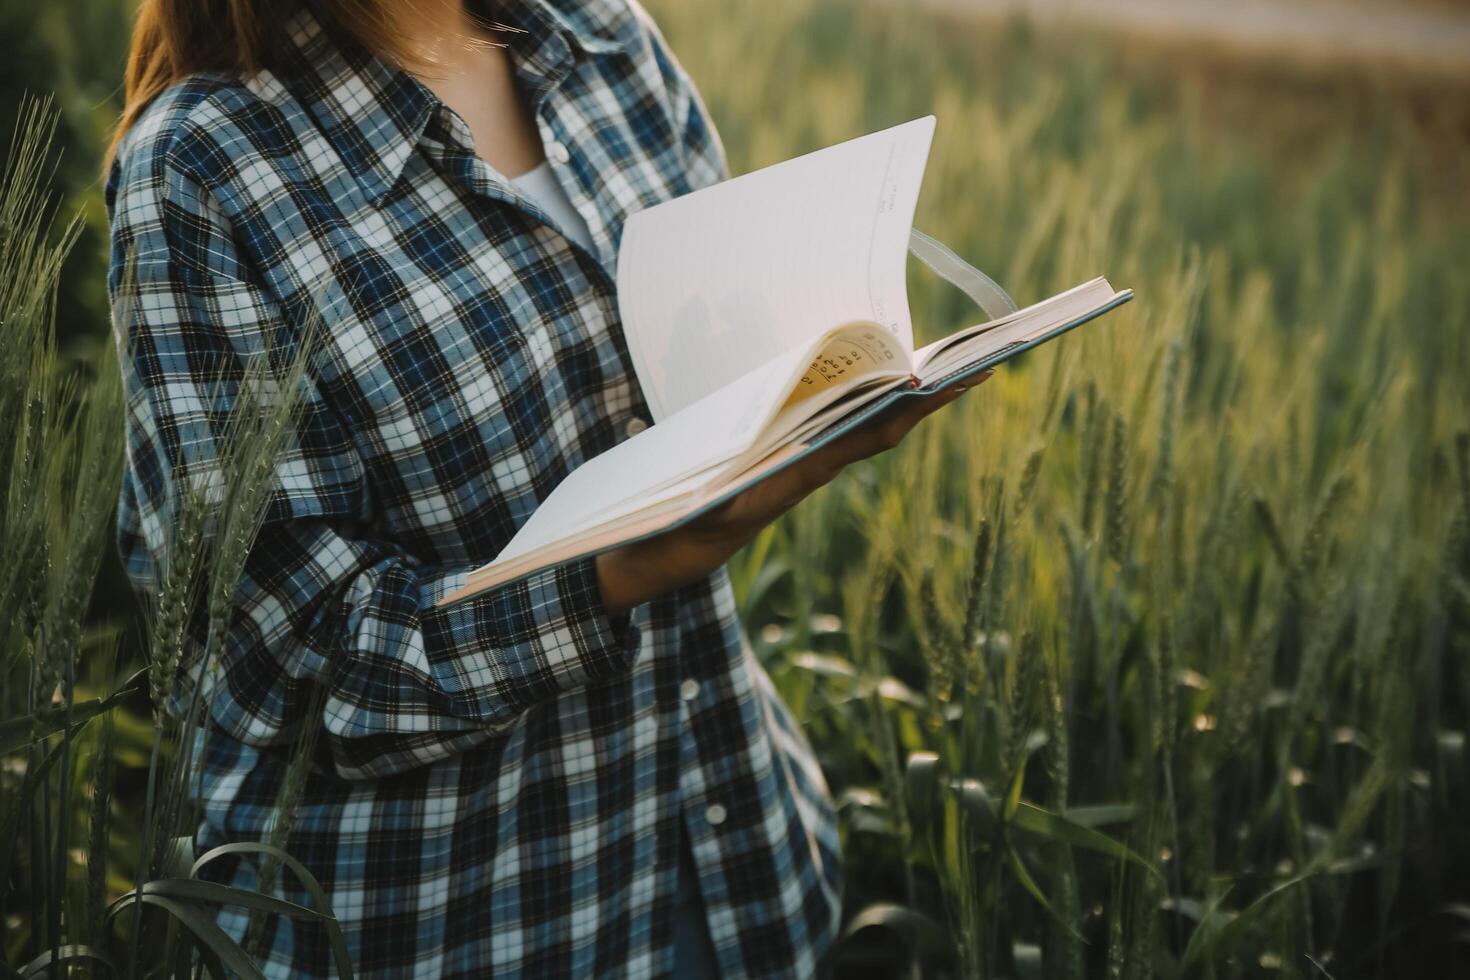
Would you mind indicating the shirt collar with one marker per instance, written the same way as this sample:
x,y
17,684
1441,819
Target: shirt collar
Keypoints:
x,y
374,112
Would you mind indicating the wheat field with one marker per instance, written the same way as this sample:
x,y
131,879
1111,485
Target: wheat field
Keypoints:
x,y
1193,578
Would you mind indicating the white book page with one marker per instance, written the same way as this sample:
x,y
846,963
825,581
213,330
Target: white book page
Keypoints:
x,y
713,284
979,342
713,430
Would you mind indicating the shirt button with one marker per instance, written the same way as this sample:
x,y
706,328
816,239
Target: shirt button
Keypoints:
x,y
715,814
635,426
558,152
689,690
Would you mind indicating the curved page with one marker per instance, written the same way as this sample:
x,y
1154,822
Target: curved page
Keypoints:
x,y
713,284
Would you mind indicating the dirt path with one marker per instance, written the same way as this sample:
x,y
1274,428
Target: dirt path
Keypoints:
x,y
1420,37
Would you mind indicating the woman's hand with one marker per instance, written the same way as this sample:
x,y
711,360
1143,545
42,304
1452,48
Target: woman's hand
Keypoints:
x,y
638,572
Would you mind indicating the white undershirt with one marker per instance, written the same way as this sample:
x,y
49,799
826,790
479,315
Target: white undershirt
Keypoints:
x,y
542,189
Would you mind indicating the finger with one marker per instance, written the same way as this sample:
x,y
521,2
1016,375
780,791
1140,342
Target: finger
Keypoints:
x,y
960,387
910,415
920,408
889,430
974,381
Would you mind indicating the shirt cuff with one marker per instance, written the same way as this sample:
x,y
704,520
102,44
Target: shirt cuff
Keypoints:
x,y
601,629
530,640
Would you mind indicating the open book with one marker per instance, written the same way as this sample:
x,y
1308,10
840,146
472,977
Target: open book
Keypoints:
x,y
766,316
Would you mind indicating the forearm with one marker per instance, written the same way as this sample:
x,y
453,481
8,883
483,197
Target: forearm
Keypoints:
x,y
636,573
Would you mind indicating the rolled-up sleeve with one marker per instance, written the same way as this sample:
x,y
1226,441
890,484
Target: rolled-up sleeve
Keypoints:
x,y
324,601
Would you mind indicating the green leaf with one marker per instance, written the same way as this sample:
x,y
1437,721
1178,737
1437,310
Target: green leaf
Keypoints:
x,y
1035,820
917,929
975,800
924,770
308,881
1190,908
1459,910
1220,930
1013,798
36,778
17,733
861,796
747,574
1023,875
194,890
769,576
177,855
1033,741
823,665
1198,939
866,810
203,928
893,691
39,966
924,779
1101,815
1028,961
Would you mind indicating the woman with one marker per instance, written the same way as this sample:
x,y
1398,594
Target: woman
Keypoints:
x,y
582,774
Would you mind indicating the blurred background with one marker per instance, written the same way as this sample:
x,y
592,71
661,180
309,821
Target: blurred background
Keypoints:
x,y
1154,658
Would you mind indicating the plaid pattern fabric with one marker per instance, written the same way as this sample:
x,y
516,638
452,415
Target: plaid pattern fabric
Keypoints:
x,y
500,784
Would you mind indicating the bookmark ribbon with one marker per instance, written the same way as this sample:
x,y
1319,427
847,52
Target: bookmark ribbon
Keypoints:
x,y
985,291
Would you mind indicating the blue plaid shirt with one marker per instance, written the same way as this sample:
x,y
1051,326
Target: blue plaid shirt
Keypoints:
x,y
501,783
